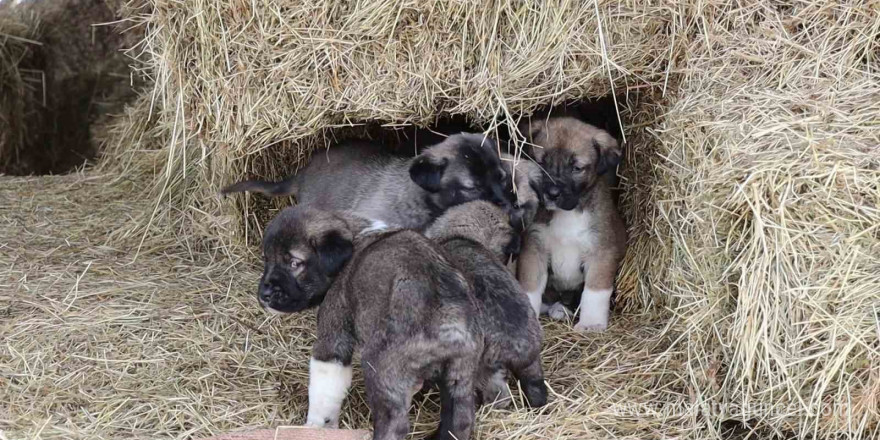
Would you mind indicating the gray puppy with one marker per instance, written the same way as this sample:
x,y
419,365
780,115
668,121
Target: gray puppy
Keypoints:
x,y
402,192
393,295
477,238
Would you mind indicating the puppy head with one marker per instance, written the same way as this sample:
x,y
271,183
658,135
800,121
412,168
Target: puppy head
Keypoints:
x,y
462,168
303,251
573,155
480,221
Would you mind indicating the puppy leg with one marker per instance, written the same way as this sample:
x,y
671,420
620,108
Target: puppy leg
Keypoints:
x,y
457,406
389,383
596,297
330,367
531,380
532,270
329,381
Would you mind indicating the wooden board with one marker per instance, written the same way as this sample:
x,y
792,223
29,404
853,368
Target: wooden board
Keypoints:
x,y
295,433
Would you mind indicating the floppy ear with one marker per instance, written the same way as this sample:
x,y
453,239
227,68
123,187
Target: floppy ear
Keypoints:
x,y
608,152
427,171
334,251
531,129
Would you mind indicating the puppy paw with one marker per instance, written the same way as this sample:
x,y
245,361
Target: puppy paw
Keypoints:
x,y
558,312
322,423
535,392
591,327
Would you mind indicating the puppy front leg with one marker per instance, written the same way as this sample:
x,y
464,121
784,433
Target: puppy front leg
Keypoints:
x,y
596,298
329,381
330,367
532,269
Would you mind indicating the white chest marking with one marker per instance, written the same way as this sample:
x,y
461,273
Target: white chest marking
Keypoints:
x,y
377,225
567,238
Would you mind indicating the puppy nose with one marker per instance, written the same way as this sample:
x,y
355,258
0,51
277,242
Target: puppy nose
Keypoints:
x,y
266,291
553,192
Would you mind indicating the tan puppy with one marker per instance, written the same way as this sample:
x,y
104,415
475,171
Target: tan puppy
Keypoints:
x,y
577,242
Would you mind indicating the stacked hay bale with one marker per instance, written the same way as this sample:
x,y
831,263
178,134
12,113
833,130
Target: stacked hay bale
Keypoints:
x,y
766,213
17,43
61,70
752,175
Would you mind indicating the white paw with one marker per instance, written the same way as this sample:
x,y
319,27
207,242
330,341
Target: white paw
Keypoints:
x,y
591,327
558,312
322,423
594,310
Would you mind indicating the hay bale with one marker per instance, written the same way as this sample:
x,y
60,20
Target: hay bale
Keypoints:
x,y
754,214
245,89
61,68
17,43
750,185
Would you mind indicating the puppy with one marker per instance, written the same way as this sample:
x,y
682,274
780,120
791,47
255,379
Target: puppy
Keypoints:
x,y
393,295
401,192
477,238
579,241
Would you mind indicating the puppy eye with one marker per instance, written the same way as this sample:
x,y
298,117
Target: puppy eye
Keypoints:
x,y
579,168
295,263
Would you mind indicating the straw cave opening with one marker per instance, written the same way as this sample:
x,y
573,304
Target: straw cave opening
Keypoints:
x,y
285,158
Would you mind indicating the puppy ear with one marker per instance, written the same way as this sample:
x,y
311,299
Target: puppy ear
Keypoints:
x,y
334,251
427,171
608,152
531,129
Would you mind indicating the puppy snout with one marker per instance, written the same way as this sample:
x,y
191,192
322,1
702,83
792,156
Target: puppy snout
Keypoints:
x,y
267,292
553,192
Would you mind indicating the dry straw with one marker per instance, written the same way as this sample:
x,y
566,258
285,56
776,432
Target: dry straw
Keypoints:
x,y
19,89
750,293
60,71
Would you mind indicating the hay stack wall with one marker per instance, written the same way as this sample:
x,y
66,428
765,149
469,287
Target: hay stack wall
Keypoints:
x,y
61,70
751,182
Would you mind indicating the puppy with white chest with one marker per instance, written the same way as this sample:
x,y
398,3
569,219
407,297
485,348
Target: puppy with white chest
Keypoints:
x,y
477,238
391,294
578,241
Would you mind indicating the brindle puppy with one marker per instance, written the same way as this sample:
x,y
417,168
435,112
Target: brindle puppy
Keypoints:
x,y
579,241
409,193
477,238
391,294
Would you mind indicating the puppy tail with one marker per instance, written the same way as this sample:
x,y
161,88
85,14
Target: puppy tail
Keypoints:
x,y
285,187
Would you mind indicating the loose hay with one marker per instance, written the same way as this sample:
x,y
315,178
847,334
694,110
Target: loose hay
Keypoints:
x,y
751,187
98,346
